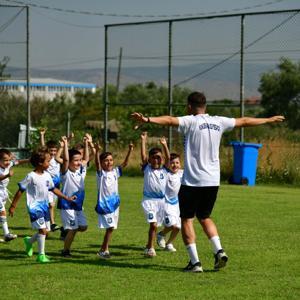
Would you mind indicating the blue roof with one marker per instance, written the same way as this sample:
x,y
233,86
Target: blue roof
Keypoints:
x,y
24,83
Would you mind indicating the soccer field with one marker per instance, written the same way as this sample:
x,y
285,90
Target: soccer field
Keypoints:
x,y
259,227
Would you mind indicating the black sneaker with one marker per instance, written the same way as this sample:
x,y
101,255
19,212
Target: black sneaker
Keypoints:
x,y
9,237
66,253
221,259
54,227
194,268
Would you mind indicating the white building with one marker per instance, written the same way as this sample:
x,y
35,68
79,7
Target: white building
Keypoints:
x,y
47,88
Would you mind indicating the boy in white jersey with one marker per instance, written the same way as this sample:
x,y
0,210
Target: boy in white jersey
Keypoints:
x,y
201,179
37,185
6,164
155,175
172,220
54,171
73,173
108,200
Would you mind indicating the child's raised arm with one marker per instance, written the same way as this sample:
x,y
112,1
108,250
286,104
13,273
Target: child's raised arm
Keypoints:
x,y
86,155
166,151
65,164
42,136
143,148
125,162
91,146
97,157
59,152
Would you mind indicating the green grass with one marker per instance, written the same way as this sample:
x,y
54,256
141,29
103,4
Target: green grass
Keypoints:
x,y
259,227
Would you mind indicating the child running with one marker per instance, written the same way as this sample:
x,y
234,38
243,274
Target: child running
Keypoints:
x,y
37,185
172,219
6,164
54,171
155,176
108,201
73,172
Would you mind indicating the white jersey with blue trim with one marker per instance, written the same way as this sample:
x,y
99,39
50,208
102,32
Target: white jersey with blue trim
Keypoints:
x,y
108,195
73,184
154,182
173,186
54,171
37,187
202,136
4,183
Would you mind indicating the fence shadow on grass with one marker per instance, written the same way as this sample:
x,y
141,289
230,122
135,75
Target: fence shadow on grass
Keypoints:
x,y
122,247
117,264
79,259
8,254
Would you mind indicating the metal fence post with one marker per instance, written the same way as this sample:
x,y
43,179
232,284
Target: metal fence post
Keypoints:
x,y
170,87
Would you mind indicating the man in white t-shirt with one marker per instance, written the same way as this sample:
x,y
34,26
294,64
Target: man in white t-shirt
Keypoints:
x,y
202,135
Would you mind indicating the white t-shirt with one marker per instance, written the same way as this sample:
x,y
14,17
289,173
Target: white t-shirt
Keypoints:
x,y
154,182
37,187
4,183
202,136
54,171
173,186
73,184
108,195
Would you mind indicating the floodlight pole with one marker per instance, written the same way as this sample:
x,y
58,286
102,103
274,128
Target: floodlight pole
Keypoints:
x,y
27,79
170,88
242,87
105,94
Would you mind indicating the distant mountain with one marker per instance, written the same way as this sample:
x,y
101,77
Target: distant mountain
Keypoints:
x,y
218,83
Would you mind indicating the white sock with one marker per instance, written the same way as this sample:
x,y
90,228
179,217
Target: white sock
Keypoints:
x,y
216,243
34,238
193,254
41,243
4,225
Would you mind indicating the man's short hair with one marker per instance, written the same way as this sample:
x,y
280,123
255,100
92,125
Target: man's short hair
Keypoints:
x,y
196,100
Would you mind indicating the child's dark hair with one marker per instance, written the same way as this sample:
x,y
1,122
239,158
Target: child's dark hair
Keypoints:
x,y
104,155
174,156
51,144
4,152
38,156
154,151
72,153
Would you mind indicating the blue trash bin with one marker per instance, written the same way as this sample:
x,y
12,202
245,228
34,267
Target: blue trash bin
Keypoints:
x,y
244,162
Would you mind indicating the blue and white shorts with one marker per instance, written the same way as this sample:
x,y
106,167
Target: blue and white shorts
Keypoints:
x,y
109,220
73,219
154,210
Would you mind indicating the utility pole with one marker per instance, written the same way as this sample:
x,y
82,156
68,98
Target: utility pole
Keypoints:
x,y
27,78
119,70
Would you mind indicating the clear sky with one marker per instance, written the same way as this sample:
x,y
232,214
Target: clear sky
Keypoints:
x,y
59,39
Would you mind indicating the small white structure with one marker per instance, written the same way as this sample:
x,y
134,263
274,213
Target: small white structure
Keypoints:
x,y
22,136
46,88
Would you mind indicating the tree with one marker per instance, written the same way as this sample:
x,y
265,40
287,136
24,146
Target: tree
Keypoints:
x,y
281,92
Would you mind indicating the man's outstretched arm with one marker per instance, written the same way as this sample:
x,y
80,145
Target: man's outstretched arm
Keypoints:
x,y
248,122
161,120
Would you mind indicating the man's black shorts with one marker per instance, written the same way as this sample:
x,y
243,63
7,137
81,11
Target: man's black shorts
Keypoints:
x,y
197,201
